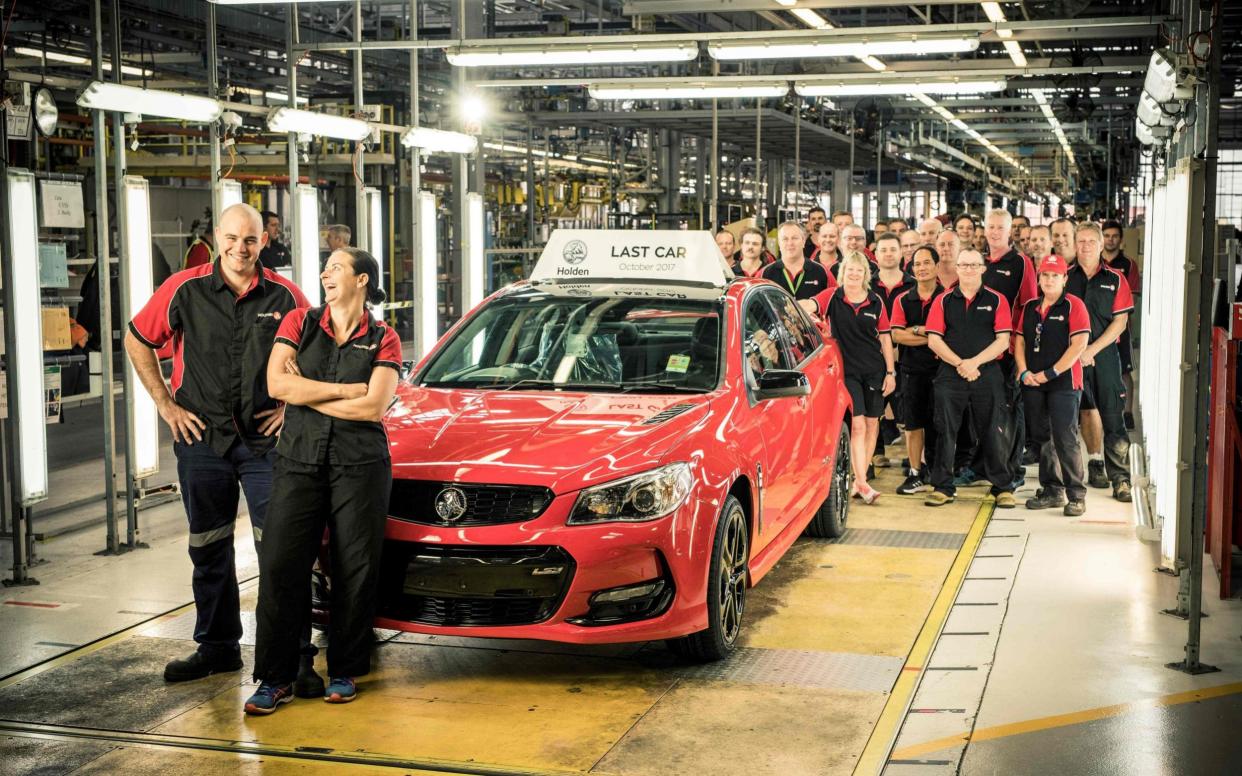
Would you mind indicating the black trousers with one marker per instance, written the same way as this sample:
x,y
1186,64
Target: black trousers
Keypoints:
x,y
986,399
352,502
1053,418
1017,417
1108,395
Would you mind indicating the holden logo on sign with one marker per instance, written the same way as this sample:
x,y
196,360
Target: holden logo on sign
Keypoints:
x,y
450,505
575,251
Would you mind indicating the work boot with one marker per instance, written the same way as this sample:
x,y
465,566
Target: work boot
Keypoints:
x,y
1096,477
1046,501
1005,500
880,461
966,478
198,665
1121,491
1075,508
309,683
937,499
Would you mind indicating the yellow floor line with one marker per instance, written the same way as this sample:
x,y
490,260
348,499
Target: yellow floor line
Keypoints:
x,y
106,641
885,732
1064,720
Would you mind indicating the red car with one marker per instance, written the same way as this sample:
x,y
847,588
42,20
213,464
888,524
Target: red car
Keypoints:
x,y
603,460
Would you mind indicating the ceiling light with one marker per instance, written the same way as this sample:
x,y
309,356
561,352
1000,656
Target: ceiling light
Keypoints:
x,y
103,95
74,59
1015,53
859,89
873,63
311,123
597,54
722,88
437,140
810,18
840,47
1161,81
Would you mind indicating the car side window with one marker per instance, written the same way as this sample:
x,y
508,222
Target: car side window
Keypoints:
x,y
762,334
802,339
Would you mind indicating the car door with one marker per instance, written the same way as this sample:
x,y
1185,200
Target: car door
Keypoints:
x,y
779,422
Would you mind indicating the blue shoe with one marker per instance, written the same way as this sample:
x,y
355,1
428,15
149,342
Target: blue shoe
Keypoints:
x,y
1018,483
341,689
966,478
268,697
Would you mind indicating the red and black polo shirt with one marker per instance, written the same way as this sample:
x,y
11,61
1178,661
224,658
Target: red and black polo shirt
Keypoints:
x,y
311,437
1046,335
910,310
889,294
809,283
1012,276
1106,294
1129,270
969,325
221,343
857,329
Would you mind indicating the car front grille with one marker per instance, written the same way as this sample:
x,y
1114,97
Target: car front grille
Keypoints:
x,y
415,501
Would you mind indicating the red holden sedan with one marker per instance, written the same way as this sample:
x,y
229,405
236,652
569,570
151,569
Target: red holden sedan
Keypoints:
x,y
599,462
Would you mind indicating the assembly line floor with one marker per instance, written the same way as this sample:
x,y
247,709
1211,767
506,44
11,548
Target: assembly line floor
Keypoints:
x,y
964,641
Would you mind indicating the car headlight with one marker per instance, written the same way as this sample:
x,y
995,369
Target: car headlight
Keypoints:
x,y
636,499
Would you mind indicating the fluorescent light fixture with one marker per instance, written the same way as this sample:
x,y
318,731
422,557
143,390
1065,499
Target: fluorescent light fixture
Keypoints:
x,y
1153,114
74,59
375,239
310,122
512,55
840,47
473,268
230,193
439,141
144,421
722,88
847,89
873,63
104,95
786,3
306,262
426,277
1015,53
810,18
25,365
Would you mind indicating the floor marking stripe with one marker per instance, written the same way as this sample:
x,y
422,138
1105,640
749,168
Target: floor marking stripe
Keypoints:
x,y
884,734
1065,720
33,604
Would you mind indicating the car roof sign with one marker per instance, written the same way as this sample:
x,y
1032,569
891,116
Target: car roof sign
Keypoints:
x,y
632,256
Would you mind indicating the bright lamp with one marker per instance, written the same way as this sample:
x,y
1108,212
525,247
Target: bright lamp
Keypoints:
x,y
25,365
105,95
839,46
375,238
426,277
597,54
143,429
848,89
690,89
309,122
437,140
1153,113
306,262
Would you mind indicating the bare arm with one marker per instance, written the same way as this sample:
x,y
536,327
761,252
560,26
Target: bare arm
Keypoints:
x,y
1078,343
181,422
909,338
291,388
1019,353
372,406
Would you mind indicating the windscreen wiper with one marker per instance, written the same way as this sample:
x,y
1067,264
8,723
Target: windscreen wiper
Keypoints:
x,y
534,382
660,386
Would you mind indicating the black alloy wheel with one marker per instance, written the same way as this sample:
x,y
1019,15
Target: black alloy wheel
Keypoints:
x,y
829,520
726,590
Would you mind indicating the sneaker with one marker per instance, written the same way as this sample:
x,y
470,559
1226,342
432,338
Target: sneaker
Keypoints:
x,y
1018,483
268,697
198,666
1075,508
966,478
880,462
1005,500
341,689
1096,477
309,683
869,496
1129,420
1046,502
937,499
913,484
1121,491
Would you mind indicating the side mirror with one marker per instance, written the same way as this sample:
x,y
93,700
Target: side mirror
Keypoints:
x,y
406,368
779,383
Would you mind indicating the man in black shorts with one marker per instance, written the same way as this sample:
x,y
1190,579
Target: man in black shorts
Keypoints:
x,y
916,369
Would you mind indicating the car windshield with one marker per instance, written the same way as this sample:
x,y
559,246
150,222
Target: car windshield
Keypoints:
x,y
541,340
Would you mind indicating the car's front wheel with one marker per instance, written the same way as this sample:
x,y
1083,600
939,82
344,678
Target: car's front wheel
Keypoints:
x,y
726,590
829,520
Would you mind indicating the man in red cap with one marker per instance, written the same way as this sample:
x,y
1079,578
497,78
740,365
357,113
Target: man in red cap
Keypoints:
x,y
1053,331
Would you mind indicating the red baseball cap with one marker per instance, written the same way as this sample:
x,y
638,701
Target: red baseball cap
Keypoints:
x,y
1053,263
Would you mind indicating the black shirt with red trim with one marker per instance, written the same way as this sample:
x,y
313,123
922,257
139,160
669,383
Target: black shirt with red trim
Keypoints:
x,y
812,281
910,310
220,347
311,437
1012,276
1046,335
857,329
1129,270
889,294
1106,294
969,325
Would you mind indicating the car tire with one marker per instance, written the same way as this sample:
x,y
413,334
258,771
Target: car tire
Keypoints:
x,y
829,520
726,590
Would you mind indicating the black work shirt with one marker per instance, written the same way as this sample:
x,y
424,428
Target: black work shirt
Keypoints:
x,y
910,310
1012,276
807,284
969,325
889,294
1105,293
857,329
276,254
1046,336
221,343
311,437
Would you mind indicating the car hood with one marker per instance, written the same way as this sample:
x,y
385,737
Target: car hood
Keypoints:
x,y
564,441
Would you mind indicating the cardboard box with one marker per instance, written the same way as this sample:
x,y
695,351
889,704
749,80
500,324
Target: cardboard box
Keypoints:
x,y
56,329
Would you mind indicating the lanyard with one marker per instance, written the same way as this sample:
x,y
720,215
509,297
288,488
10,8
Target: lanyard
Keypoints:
x,y
793,287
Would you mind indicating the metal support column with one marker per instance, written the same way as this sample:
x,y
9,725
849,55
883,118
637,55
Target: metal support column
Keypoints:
x,y
291,140
213,129
362,229
759,163
530,184
715,165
